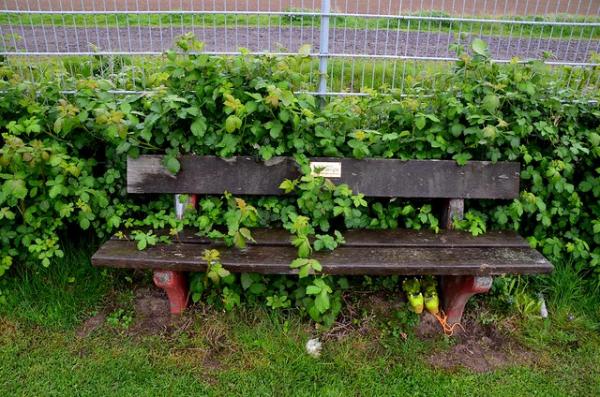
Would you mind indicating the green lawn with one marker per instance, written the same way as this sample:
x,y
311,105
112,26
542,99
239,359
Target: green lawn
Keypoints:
x,y
45,350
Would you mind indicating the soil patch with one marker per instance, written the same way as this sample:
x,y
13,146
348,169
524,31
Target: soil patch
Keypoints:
x,y
428,327
90,325
151,313
151,316
479,349
342,40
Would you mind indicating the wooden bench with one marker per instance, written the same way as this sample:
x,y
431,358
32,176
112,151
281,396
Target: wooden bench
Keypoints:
x,y
464,264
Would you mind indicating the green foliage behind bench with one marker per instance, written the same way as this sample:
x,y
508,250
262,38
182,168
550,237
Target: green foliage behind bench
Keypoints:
x,y
62,161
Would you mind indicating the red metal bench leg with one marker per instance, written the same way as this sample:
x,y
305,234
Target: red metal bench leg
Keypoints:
x,y
456,291
175,285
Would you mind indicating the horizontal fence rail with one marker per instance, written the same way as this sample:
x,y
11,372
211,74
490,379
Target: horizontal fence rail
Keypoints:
x,y
356,45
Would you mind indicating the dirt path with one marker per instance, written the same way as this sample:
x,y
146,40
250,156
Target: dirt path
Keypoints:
x,y
453,7
342,41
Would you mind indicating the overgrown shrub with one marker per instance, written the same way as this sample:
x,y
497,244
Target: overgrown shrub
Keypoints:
x,y
63,160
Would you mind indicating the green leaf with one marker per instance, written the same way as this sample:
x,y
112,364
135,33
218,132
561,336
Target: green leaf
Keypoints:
x,y
304,249
316,265
258,288
266,152
480,47
239,241
275,127
343,283
325,241
490,103
322,302
15,188
245,232
594,139
246,280
304,271
312,290
287,186
304,50
232,123
85,224
54,191
213,276
222,272
420,122
313,312
142,243
7,213
198,127
172,164
123,147
58,124
462,158
125,107
298,262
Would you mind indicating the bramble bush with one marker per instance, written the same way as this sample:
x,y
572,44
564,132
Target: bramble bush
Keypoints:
x,y
62,162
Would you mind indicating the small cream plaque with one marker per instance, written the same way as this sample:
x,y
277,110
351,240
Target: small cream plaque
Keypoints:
x,y
326,169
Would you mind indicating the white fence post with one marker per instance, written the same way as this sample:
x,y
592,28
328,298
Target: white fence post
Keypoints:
x,y
324,46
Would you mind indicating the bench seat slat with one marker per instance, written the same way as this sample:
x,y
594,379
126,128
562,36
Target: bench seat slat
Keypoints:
x,y
380,238
344,260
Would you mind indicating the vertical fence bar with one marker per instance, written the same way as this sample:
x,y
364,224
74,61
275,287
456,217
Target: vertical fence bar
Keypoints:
x,y
324,46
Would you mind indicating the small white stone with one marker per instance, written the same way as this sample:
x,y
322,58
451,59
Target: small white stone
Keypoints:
x,y
543,308
313,347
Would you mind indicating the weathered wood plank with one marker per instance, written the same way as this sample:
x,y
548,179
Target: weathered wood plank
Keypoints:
x,y
371,177
452,208
344,260
379,238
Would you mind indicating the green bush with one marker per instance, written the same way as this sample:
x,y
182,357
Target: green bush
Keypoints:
x,y
62,164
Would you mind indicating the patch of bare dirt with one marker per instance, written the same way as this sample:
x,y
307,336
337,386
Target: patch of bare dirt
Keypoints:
x,y
343,40
428,327
358,315
151,312
90,325
151,316
479,349
8,330
382,304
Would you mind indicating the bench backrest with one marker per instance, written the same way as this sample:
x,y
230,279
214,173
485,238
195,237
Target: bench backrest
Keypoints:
x,y
371,177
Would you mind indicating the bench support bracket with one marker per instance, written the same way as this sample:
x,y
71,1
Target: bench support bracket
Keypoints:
x,y
175,285
456,291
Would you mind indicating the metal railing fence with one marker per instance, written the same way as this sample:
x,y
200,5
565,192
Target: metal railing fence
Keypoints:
x,y
356,45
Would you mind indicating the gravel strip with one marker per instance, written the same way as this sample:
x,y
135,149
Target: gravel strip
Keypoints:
x,y
342,41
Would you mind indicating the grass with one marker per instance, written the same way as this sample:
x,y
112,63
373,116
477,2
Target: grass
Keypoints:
x,y
264,361
344,75
257,352
264,21
133,73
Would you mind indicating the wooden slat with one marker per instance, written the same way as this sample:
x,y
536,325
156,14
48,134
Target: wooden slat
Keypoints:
x,y
380,238
371,177
344,260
